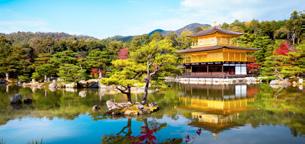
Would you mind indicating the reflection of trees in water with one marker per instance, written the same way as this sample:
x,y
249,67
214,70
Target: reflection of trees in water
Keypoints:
x,y
256,118
284,106
271,106
69,105
277,107
146,136
46,103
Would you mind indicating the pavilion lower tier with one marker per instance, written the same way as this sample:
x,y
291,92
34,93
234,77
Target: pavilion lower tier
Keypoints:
x,y
216,70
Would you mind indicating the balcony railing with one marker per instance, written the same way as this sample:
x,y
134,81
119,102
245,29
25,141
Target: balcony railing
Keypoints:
x,y
212,75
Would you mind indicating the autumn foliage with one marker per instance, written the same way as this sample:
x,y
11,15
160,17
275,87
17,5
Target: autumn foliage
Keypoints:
x,y
284,49
123,53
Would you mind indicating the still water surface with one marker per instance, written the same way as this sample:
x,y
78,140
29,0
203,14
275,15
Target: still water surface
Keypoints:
x,y
203,114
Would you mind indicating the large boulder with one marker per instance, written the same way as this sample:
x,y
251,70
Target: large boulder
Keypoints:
x,y
111,105
16,99
285,83
93,83
71,85
274,82
130,109
96,108
27,101
280,83
83,83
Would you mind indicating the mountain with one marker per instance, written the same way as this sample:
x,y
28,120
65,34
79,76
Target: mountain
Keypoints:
x,y
161,31
193,27
122,38
24,37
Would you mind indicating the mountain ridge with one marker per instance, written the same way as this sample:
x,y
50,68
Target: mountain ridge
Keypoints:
x,y
193,27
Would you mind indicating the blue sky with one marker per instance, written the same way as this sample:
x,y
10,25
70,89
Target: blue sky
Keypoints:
x,y
105,18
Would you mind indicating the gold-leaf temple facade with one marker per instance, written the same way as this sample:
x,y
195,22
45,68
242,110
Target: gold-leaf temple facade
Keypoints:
x,y
213,54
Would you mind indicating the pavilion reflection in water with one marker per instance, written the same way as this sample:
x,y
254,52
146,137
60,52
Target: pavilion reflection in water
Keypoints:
x,y
215,108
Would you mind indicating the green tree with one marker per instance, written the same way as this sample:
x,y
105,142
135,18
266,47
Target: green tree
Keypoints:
x,y
137,42
284,63
43,72
21,59
64,57
296,26
184,40
98,59
126,73
159,60
5,50
263,43
71,73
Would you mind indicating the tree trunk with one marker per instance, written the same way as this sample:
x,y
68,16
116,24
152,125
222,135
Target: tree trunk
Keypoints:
x,y
147,81
128,93
45,78
128,126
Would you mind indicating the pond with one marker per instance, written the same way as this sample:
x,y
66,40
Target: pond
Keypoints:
x,y
201,114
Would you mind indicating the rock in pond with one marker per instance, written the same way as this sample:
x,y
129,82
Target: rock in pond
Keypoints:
x,y
130,109
280,83
91,83
111,105
96,108
16,99
2,81
27,101
71,85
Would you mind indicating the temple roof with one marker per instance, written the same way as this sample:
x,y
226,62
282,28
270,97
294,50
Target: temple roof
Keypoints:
x,y
214,30
207,48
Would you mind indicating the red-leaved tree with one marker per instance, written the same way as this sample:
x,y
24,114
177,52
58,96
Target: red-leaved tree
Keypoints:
x,y
284,49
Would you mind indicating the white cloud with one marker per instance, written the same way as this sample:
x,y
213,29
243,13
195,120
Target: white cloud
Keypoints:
x,y
222,10
206,12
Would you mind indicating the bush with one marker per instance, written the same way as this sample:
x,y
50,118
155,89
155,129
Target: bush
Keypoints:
x,y
23,78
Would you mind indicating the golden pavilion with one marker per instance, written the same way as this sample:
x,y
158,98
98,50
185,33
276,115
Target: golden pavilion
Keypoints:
x,y
213,55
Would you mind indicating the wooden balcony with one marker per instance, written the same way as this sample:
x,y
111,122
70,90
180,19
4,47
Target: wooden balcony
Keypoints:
x,y
212,75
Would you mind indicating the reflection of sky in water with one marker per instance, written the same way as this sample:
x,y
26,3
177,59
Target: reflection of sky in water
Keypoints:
x,y
85,130
222,110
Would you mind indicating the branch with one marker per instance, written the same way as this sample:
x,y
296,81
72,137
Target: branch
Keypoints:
x,y
137,74
121,90
156,70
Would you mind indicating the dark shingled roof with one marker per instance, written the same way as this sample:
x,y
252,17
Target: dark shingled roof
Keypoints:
x,y
214,30
207,48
